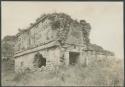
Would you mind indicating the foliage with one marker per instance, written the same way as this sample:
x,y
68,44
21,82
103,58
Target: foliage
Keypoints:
x,y
99,73
9,38
8,43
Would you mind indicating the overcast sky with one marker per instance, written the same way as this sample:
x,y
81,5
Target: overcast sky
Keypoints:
x,y
106,19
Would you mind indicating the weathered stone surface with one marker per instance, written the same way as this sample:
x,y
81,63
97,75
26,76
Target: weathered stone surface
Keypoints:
x,y
56,37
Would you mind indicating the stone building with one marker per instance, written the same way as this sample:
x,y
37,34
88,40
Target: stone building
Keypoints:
x,y
58,40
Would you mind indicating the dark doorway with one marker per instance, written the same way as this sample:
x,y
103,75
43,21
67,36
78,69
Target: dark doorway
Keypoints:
x,y
39,60
73,58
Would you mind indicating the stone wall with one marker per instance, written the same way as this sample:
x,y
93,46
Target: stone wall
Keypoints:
x,y
52,56
78,49
71,36
52,27
40,34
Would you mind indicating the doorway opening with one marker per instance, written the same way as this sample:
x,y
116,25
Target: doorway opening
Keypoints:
x,y
73,58
39,60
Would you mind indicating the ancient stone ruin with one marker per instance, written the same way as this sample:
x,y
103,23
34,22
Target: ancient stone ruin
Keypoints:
x,y
56,39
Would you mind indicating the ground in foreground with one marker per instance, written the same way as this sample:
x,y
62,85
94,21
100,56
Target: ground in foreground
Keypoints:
x,y
99,73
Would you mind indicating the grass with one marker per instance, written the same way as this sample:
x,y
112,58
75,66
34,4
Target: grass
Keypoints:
x,y
99,73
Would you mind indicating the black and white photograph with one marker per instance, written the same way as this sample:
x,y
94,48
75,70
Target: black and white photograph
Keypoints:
x,y
52,43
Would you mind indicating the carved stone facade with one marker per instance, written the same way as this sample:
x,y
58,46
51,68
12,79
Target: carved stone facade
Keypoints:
x,y
59,39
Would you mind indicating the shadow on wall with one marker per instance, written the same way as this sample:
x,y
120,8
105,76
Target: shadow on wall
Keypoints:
x,y
39,60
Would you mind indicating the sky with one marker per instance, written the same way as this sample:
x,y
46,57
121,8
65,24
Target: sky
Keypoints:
x,y
105,18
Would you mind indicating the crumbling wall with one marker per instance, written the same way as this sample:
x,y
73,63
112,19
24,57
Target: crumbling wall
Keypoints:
x,y
75,35
23,62
52,56
77,49
71,35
